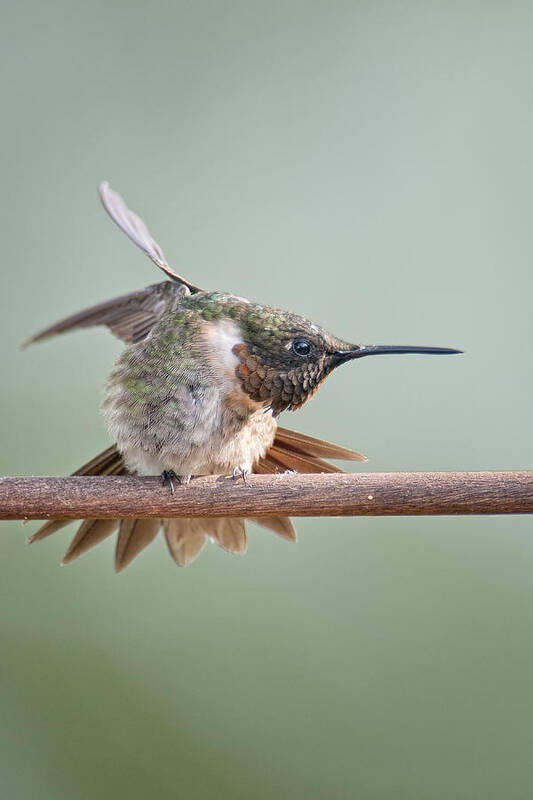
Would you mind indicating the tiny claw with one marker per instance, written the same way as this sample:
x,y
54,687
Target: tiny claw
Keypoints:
x,y
238,472
169,476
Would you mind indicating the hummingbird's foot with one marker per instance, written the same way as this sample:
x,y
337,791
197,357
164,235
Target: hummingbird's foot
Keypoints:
x,y
169,476
239,472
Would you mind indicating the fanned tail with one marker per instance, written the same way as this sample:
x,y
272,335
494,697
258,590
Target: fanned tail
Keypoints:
x,y
186,537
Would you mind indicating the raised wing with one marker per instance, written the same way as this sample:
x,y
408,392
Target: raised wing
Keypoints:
x,y
134,227
130,317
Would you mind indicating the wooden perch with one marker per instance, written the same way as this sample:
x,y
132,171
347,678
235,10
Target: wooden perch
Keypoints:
x,y
299,495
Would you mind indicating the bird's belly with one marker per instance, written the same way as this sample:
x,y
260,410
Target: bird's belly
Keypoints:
x,y
242,449
232,442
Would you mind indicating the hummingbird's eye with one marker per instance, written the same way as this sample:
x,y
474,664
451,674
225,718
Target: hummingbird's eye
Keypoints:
x,y
301,347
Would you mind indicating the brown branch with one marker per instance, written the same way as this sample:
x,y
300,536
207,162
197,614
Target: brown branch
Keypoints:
x,y
270,495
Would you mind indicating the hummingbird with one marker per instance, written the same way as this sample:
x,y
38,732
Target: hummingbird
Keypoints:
x,y
198,390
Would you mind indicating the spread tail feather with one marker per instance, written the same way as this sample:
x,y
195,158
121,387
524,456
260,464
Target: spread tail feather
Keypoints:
x,y
281,525
229,533
90,533
133,536
186,537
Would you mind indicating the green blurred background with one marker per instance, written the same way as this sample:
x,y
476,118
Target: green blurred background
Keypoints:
x,y
367,164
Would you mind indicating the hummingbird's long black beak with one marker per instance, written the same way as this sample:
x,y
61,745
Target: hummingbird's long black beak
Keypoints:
x,y
384,349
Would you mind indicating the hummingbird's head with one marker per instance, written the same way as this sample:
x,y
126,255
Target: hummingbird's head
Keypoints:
x,y
284,357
